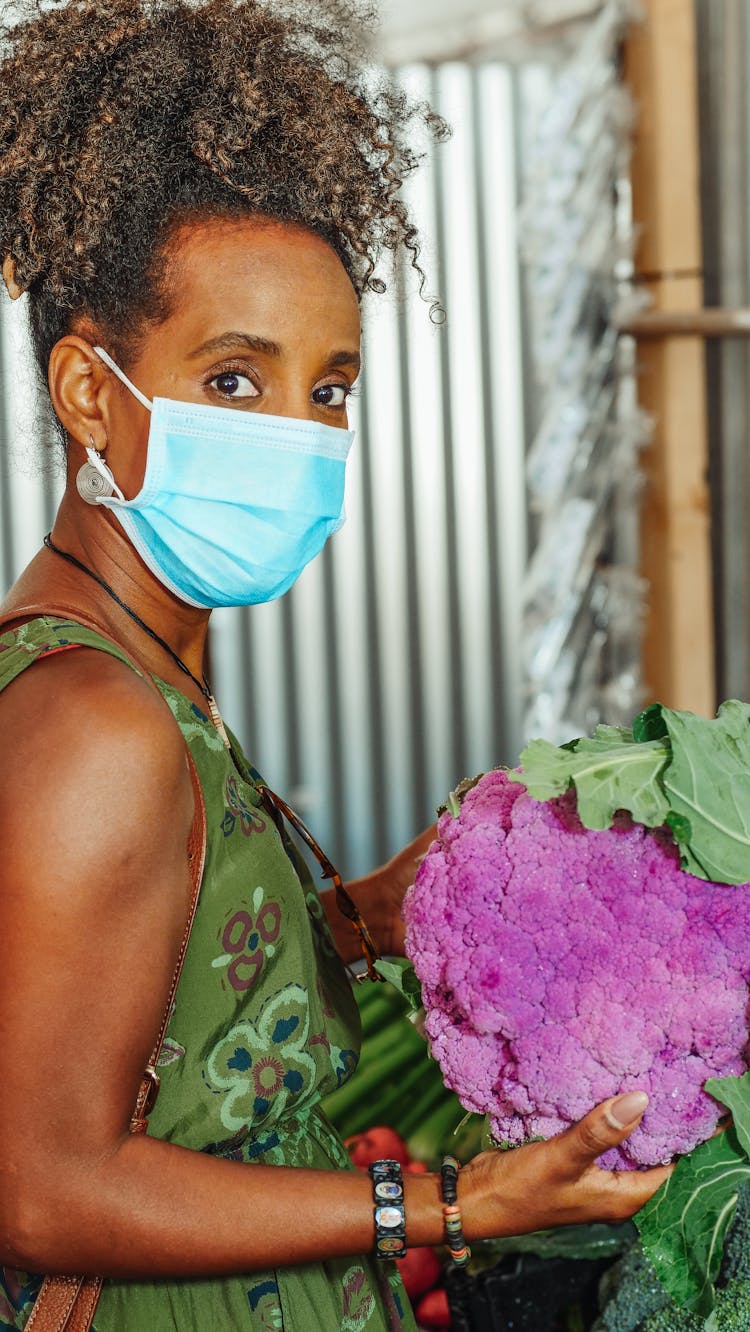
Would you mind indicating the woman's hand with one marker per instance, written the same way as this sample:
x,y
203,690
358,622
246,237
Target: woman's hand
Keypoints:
x,y
558,1182
379,897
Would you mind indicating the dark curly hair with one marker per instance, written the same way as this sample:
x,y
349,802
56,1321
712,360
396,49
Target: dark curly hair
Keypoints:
x,y
120,120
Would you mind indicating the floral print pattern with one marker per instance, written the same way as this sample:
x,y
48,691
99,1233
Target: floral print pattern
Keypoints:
x,y
359,1300
248,937
263,1299
247,1064
238,812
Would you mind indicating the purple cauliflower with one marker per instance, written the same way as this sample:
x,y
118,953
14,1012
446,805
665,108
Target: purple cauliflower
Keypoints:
x,y
561,966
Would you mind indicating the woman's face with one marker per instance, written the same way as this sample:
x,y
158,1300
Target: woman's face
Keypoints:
x,y
264,319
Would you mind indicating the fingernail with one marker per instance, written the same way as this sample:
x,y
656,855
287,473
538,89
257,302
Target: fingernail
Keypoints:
x,y
623,1111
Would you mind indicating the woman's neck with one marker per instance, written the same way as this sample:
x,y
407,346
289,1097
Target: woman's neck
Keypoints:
x,y
101,575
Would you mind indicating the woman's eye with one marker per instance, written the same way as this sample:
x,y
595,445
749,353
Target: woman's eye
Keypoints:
x,y
231,384
331,395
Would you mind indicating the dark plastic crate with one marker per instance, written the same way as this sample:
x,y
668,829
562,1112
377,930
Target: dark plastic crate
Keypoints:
x,y
524,1293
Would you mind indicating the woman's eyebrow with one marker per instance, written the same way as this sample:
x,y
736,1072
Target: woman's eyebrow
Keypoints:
x,y
235,341
345,358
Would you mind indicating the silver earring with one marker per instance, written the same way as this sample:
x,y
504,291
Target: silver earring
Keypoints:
x,y
95,480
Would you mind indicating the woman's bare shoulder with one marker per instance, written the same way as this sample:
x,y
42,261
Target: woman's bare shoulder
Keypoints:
x,y
95,810
88,744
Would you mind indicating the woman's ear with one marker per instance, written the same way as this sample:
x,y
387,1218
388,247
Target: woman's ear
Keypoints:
x,y
80,387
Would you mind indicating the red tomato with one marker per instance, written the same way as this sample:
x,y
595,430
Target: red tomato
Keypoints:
x,y
420,1271
377,1144
432,1310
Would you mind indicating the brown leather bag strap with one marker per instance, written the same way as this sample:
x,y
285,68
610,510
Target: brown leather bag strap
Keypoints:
x,y
65,1304
68,1303
196,858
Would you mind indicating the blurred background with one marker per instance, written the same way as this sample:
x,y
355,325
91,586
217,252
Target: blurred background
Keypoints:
x,y
539,536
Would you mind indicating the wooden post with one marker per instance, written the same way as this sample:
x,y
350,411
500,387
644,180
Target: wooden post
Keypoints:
x,y
660,67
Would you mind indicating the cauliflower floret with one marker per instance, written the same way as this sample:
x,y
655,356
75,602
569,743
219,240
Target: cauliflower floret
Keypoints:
x,y
561,966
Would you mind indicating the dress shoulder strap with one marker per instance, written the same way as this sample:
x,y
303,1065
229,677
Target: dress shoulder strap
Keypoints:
x,y
34,633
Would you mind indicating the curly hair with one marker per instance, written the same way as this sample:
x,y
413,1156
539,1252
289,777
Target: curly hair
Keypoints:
x,y
120,120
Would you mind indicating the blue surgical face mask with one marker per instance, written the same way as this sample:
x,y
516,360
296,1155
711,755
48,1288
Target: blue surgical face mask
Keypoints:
x,y
234,504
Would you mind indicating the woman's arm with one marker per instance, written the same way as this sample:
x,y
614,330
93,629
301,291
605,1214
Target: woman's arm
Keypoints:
x,y
379,897
95,809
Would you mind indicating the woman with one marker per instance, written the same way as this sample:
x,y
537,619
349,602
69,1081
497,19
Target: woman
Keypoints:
x,y
192,196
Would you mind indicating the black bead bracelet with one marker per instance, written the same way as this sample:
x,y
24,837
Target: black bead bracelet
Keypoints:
x,y
454,1236
389,1214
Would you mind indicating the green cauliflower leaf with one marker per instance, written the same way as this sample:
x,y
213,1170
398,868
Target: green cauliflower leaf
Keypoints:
x,y
400,973
708,785
610,772
734,1093
684,1226
673,769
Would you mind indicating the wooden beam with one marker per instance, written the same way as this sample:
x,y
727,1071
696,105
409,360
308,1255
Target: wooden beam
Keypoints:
x,y
660,66
713,322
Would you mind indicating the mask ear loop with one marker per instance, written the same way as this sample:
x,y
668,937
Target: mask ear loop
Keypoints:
x,y
114,367
95,481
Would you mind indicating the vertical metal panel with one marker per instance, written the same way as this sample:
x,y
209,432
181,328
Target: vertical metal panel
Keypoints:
x,y
465,422
504,376
723,55
31,464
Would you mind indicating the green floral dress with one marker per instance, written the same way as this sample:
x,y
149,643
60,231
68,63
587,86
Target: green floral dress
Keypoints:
x,y
264,1025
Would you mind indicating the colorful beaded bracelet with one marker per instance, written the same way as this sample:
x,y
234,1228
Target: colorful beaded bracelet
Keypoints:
x,y
454,1235
389,1214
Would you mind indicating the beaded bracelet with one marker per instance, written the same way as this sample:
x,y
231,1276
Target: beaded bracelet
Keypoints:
x,y
390,1215
454,1235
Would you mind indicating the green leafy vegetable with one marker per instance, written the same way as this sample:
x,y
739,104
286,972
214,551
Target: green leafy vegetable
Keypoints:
x,y
401,975
734,1093
650,724
586,1241
684,1226
708,783
453,804
672,769
610,772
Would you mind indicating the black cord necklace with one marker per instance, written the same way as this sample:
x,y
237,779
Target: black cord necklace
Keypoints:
x,y
201,684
